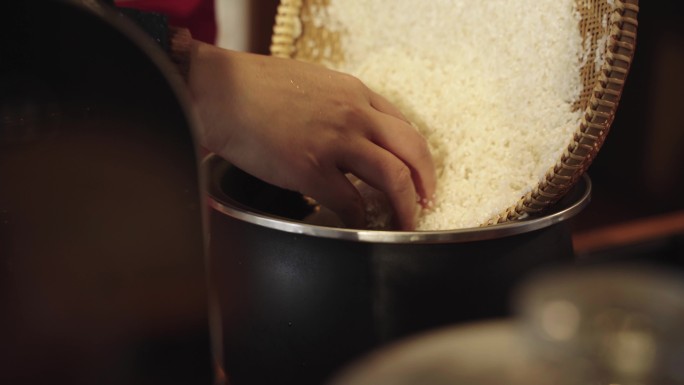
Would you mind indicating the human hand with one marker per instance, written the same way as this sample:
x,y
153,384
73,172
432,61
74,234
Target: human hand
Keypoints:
x,y
303,127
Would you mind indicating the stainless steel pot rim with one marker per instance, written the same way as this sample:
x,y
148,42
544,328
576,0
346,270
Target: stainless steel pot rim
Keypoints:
x,y
443,236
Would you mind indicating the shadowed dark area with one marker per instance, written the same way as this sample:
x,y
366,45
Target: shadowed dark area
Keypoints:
x,y
101,246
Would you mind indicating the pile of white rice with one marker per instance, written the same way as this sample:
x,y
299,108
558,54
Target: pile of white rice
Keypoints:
x,y
491,85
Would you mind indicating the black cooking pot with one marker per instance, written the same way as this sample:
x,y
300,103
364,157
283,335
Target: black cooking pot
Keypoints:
x,y
300,300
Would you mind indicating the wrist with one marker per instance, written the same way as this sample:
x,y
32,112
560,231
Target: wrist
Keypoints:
x,y
210,93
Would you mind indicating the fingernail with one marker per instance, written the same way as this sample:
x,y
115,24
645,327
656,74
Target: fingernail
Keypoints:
x,y
430,202
425,202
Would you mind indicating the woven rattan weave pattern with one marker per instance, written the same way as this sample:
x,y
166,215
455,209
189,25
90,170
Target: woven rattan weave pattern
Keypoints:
x,y
612,23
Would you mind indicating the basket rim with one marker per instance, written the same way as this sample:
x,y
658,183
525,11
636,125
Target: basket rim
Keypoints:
x,y
595,122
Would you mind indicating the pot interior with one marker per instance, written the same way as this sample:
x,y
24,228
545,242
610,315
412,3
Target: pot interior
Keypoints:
x,y
238,194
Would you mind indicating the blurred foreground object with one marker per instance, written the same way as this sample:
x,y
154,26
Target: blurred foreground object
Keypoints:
x,y
599,326
608,325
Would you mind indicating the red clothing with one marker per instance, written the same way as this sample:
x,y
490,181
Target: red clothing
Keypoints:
x,y
197,15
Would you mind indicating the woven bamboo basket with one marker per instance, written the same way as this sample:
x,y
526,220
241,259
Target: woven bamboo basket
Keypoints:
x,y
295,35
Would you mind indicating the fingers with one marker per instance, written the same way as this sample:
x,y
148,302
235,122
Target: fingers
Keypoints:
x,y
381,104
396,135
382,170
338,194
